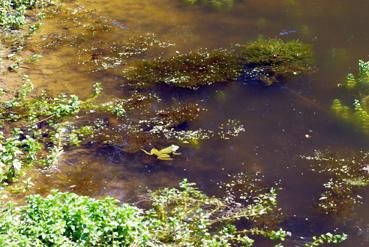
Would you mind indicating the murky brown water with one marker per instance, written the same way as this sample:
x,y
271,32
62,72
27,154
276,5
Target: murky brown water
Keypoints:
x,y
277,119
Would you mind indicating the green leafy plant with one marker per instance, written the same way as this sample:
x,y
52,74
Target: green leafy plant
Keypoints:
x,y
12,12
327,238
357,111
65,219
36,129
182,216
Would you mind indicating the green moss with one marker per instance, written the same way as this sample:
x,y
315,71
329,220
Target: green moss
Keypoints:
x,y
272,58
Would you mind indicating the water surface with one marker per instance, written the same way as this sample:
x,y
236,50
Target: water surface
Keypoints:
x,y
282,121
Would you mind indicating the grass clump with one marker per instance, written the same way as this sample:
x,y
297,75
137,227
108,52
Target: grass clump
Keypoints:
x,y
266,60
357,111
182,216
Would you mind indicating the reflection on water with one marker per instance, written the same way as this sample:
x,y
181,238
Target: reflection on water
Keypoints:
x,y
281,122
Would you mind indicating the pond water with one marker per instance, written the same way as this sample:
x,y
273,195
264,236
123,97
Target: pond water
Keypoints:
x,y
282,122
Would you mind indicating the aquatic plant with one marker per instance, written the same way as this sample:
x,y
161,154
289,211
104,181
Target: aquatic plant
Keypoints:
x,y
266,60
271,59
327,238
190,70
215,4
182,216
347,172
357,85
13,12
106,56
36,129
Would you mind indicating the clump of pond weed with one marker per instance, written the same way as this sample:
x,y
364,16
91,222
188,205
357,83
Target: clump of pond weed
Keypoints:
x,y
275,58
36,129
215,4
347,174
147,127
355,112
266,60
183,216
104,56
190,70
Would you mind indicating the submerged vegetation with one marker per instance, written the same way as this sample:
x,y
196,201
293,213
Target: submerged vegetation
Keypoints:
x,y
181,216
215,4
355,112
37,129
347,174
266,60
